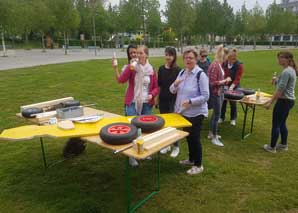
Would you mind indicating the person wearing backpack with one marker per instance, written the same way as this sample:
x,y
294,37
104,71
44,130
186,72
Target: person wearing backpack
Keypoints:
x,y
216,82
192,89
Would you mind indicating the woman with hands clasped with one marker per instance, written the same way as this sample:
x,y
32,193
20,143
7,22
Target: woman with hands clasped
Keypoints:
x,y
285,100
217,82
192,89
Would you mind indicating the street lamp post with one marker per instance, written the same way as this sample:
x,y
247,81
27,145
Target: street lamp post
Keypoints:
x,y
94,34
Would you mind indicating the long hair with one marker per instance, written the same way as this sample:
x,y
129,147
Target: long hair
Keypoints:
x,y
288,55
131,46
219,55
172,52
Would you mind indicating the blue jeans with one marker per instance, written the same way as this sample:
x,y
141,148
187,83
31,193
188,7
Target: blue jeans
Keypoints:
x,y
216,102
130,110
280,114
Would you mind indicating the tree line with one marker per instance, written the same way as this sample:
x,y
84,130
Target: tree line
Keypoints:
x,y
141,21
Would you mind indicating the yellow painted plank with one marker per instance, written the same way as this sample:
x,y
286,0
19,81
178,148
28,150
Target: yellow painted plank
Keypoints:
x,y
80,130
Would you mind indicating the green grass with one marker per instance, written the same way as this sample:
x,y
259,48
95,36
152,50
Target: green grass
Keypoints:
x,y
240,177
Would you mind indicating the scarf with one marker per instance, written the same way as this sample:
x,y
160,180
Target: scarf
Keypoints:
x,y
141,72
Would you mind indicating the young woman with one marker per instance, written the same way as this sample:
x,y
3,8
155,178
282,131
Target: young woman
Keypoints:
x,y
192,89
142,87
167,74
284,97
217,82
131,52
233,69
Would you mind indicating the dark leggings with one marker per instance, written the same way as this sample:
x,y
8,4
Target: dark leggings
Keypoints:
x,y
280,114
193,139
167,106
233,115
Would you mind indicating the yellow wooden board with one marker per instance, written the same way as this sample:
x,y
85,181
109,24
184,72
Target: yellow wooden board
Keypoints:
x,y
80,130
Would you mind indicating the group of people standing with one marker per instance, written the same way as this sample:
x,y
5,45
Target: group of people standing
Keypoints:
x,y
188,91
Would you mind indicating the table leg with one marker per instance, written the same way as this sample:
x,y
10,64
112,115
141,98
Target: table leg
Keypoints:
x,y
252,118
128,187
43,153
244,121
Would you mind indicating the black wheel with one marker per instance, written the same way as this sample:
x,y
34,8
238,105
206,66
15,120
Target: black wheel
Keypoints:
x,y
247,91
148,123
118,133
233,95
70,103
74,147
29,113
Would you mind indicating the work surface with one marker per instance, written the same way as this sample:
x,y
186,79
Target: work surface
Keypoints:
x,y
88,129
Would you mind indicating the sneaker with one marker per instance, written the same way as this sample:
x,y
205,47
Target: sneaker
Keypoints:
x,y
217,142
281,147
195,170
186,163
220,121
165,150
268,148
149,158
175,152
233,122
210,136
133,162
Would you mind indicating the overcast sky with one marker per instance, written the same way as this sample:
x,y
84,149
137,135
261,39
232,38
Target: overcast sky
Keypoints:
x,y
236,4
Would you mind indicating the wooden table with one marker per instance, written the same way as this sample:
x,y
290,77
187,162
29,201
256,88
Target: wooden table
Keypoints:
x,y
248,103
128,153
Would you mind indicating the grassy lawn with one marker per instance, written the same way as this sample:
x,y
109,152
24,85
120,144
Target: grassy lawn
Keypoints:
x,y
240,177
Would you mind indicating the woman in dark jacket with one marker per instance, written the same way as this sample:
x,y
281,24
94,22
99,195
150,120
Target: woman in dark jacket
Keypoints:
x,y
167,74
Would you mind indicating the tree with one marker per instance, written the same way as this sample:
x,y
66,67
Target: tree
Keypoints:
x,y
274,20
5,7
209,19
152,17
66,17
240,23
179,15
42,23
256,22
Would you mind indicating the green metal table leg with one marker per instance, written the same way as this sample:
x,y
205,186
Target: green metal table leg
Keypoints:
x,y
43,153
244,121
252,118
128,187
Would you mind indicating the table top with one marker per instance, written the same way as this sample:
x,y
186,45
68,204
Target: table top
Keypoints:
x,y
131,152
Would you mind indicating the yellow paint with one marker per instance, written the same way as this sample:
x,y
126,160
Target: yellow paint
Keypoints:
x,y
80,130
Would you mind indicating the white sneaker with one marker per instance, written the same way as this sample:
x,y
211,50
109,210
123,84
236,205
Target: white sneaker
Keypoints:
x,y
233,122
133,162
175,152
220,121
268,148
217,142
210,136
165,150
195,170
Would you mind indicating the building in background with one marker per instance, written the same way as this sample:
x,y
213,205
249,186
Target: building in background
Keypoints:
x,y
290,5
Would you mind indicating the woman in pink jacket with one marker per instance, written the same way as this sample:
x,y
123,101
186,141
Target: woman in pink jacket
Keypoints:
x,y
142,86
217,82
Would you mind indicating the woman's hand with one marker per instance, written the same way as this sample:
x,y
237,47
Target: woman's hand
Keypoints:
x,y
149,98
228,79
186,104
232,87
268,104
177,82
114,65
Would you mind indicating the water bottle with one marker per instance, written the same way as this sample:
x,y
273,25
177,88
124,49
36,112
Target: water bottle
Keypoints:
x,y
133,64
258,95
115,61
274,77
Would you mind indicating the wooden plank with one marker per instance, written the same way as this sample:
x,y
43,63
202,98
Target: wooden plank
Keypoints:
x,y
47,103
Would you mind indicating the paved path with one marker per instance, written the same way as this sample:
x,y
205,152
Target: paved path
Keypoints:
x,y
35,57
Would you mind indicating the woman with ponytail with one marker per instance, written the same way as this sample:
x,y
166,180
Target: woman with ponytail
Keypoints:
x,y
284,97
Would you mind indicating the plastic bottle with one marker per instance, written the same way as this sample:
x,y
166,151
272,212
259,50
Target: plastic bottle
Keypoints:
x,y
133,64
115,61
258,95
274,77
140,142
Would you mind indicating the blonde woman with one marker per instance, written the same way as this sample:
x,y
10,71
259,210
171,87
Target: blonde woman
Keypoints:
x,y
217,82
